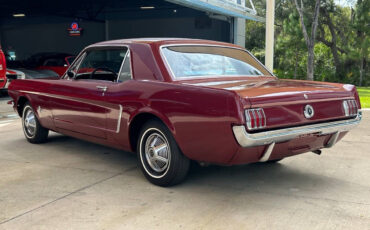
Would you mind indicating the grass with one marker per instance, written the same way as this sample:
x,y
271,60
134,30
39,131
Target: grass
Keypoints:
x,y
364,93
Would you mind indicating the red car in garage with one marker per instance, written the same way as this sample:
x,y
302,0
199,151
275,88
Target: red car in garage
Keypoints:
x,y
176,100
57,62
3,79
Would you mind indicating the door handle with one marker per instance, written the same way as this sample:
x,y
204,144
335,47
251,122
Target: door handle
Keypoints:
x,y
102,88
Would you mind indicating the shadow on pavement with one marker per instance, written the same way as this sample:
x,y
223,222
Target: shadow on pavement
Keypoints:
x,y
263,177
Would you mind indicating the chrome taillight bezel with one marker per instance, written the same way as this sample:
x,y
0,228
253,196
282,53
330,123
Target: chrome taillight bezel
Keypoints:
x,y
350,108
255,118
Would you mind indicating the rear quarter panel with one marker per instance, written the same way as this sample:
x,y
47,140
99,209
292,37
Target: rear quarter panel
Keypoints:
x,y
200,119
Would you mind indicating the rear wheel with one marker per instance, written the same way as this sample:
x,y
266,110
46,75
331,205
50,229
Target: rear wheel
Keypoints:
x,y
160,158
32,129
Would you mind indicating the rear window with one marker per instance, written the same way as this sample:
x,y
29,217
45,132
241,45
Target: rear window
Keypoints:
x,y
211,61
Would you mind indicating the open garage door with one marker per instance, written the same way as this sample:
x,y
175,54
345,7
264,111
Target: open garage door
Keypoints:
x,y
32,27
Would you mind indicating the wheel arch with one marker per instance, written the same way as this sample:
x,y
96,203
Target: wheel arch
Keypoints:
x,y
22,100
137,122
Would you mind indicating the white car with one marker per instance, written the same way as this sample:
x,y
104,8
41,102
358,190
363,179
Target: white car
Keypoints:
x,y
12,74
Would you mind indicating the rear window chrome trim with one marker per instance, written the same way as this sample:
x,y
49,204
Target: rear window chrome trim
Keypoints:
x,y
173,76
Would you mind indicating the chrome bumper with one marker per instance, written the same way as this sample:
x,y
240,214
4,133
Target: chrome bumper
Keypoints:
x,y
246,139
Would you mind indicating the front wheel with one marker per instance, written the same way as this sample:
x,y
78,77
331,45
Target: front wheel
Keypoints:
x,y
160,158
32,129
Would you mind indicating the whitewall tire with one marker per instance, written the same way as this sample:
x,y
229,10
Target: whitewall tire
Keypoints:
x,y
159,156
32,129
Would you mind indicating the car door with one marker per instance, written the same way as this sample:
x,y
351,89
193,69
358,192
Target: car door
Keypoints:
x,y
79,102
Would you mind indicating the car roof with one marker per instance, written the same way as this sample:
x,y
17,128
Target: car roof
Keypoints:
x,y
161,41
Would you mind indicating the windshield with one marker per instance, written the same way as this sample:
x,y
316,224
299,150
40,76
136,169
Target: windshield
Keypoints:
x,y
211,61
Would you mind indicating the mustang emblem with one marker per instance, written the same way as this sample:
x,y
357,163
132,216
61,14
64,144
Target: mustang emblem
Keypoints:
x,y
305,96
308,111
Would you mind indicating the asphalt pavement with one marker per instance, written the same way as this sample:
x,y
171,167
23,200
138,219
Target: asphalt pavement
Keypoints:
x,y
72,184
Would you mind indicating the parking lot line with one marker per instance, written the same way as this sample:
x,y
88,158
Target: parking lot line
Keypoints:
x,y
4,124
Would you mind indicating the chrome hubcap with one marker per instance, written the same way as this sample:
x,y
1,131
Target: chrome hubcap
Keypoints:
x,y
30,122
157,152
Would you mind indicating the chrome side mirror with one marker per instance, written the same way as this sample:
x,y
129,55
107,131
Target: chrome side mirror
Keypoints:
x,y
70,74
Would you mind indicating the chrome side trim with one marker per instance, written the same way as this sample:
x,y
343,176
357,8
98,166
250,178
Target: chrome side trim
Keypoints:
x,y
266,155
119,119
246,139
90,102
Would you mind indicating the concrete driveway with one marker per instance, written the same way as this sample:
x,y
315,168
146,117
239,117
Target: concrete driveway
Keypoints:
x,y
72,184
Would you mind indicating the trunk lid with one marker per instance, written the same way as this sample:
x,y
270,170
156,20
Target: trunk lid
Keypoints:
x,y
284,101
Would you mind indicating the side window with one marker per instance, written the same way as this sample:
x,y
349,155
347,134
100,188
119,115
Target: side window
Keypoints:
x,y
126,70
101,64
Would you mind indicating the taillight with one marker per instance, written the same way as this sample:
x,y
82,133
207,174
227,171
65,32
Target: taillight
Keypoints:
x,y
255,118
350,107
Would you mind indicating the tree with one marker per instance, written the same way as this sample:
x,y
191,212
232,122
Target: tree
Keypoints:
x,y
361,25
290,54
310,40
342,47
334,32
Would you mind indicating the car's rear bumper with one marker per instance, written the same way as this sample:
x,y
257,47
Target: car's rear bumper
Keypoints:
x,y
270,138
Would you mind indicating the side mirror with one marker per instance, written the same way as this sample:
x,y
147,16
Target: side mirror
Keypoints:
x,y
70,74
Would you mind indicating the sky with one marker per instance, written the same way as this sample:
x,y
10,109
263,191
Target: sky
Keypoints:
x,y
345,2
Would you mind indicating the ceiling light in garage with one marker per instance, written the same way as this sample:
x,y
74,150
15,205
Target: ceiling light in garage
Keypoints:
x,y
18,15
147,7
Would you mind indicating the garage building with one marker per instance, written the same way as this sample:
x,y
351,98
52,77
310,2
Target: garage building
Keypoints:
x,y
29,27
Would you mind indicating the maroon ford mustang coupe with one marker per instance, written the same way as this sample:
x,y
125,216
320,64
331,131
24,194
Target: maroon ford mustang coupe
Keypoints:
x,y
176,100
